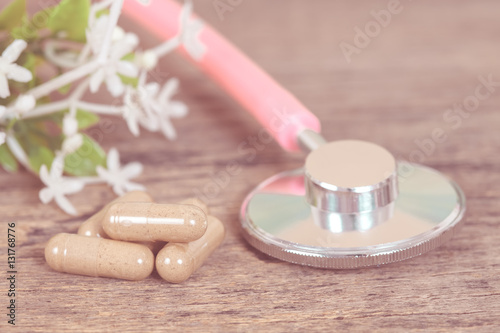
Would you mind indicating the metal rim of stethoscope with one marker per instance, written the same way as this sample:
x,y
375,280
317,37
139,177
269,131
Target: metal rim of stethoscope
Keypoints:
x,y
349,257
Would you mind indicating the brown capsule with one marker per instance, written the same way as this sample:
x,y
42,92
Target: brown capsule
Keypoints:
x,y
93,226
177,261
154,222
92,256
155,247
196,202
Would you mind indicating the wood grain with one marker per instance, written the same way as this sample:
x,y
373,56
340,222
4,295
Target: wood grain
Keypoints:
x,y
395,91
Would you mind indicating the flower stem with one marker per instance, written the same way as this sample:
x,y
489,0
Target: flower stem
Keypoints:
x,y
99,108
47,108
18,152
46,88
114,14
166,47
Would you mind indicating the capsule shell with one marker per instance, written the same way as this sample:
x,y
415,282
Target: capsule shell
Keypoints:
x,y
177,261
92,256
154,222
155,247
93,226
196,202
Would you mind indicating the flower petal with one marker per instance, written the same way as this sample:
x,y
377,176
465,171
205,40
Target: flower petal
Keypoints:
x,y
102,172
113,160
65,205
168,129
150,122
18,73
127,68
96,80
57,168
131,170
95,34
72,186
132,124
191,39
44,175
25,103
118,189
118,33
177,109
142,79
72,143
70,125
124,46
4,86
45,195
2,110
130,186
14,50
169,89
149,60
195,48
115,85
152,89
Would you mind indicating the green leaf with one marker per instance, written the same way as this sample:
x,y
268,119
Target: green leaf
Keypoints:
x,y
12,15
37,140
86,119
24,31
41,18
28,30
70,16
8,161
84,161
104,11
130,81
65,89
31,61
40,155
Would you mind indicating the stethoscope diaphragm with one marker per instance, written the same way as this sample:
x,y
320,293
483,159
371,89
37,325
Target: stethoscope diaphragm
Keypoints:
x,y
278,218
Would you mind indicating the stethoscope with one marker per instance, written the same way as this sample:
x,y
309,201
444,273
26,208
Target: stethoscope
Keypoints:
x,y
352,204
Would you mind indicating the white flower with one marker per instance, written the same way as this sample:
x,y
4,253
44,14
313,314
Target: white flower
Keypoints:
x,y
24,103
70,125
118,33
133,113
72,143
152,109
166,108
96,31
190,32
148,60
118,177
122,44
58,186
10,70
2,138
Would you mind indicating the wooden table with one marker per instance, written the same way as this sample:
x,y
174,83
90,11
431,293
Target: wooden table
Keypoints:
x,y
394,91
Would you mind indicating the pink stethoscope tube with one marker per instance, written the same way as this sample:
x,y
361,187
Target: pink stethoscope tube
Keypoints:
x,y
274,107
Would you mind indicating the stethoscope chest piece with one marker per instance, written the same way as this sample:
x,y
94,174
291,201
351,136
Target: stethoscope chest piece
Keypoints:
x,y
352,205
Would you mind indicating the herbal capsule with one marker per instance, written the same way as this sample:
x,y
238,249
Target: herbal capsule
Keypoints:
x,y
92,256
154,222
93,226
155,247
177,261
196,202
